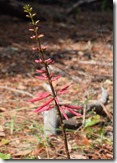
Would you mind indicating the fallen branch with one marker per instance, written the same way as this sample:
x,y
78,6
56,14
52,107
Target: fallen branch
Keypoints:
x,y
51,121
99,105
16,90
77,4
92,62
106,111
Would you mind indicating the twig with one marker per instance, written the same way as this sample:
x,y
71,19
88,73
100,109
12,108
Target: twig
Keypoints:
x,y
107,112
92,62
84,114
17,90
84,117
70,10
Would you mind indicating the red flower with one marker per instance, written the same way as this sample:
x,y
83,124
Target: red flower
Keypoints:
x,y
40,71
63,112
63,90
69,110
35,48
49,61
33,37
38,61
73,107
38,110
44,107
41,96
55,78
40,36
41,77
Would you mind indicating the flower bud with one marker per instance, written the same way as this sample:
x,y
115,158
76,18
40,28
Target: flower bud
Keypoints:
x,y
38,61
31,29
40,36
36,28
44,47
33,37
28,16
34,48
40,71
30,9
36,22
33,14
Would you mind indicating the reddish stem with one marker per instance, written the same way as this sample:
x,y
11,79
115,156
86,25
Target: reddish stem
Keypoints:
x,y
54,95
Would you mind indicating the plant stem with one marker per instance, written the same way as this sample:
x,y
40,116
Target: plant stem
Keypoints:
x,y
28,10
54,95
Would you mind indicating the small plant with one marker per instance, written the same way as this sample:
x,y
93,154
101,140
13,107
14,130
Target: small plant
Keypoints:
x,y
46,75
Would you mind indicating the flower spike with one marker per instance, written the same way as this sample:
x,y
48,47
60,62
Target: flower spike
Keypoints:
x,y
53,102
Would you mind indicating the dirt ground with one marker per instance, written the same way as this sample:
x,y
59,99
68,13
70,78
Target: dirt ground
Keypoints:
x,y
82,48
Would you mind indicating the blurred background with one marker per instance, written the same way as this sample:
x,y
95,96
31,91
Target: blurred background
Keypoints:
x,y
79,37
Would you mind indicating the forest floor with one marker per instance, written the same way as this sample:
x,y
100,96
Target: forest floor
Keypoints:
x,y
82,48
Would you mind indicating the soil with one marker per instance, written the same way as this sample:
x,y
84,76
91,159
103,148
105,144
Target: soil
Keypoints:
x,y
82,48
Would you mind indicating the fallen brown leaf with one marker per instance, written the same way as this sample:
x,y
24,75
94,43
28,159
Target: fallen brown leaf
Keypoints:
x,y
22,153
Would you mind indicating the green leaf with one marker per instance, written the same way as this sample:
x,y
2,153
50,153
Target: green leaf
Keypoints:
x,y
92,121
5,156
5,141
